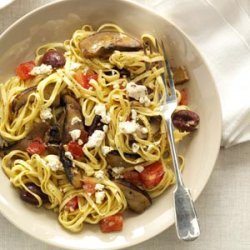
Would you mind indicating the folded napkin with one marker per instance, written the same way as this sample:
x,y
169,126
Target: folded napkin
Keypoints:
x,y
221,31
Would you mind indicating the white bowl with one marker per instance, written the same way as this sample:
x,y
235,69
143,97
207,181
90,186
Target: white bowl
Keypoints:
x,y
56,22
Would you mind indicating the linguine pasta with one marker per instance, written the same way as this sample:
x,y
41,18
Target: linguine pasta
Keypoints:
x,y
109,88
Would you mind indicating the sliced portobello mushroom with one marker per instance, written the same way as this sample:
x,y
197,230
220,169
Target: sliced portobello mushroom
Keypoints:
x,y
138,199
102,44
39,130
114,159
73,176
22,98
96,125
73,119
180,75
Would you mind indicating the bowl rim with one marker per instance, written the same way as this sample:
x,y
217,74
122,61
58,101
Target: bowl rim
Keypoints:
x,y
219,111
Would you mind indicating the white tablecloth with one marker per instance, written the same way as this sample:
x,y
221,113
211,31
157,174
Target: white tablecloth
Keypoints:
x,y
223,207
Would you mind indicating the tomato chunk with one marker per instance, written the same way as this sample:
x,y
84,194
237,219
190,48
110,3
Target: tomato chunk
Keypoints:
x,y
83,79
152,175
36,147
113,223
132,177
72,205
24,69
75,149
184,97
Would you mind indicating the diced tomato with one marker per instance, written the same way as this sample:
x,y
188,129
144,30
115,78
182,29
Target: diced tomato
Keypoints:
x,y
36,147
132,177
113,223
152,175
75,149
24,69
184,97
72,205
84,79
89,185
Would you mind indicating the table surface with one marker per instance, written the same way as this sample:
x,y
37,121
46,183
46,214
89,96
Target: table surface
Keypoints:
x,y
222,207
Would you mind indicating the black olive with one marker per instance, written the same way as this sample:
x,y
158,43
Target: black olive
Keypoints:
x,y
54,58
29,198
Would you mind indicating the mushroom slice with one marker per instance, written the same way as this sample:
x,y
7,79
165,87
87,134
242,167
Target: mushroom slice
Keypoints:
x,y
73,119
22,98
102,44
72,174
138,199
114,159
180,75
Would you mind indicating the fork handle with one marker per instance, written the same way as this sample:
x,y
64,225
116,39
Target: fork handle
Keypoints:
x,y
187,226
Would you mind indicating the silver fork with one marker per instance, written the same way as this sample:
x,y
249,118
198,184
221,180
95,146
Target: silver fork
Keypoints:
x,y
186,221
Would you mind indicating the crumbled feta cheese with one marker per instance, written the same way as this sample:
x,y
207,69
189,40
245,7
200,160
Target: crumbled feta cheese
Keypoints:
x,y
144,100
75,120
128,127
138,92
105,128
99,197
75,134
69,155
54,162
144,130
46,114
100,109
72,66
135,147
95,140
99,187
99,174
118,170
92,81
133,114
80,142
106,149
139,168
43,69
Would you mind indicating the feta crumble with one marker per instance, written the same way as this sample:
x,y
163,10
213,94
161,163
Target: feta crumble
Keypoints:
x,y
144,130
69,155
99,187
118,170
100,109
135,147
139,168
95,140
106,150
43,69
72,66
75,120
75,134
46,114
138,92
99,174
54,162
128,127
99,197
105,128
